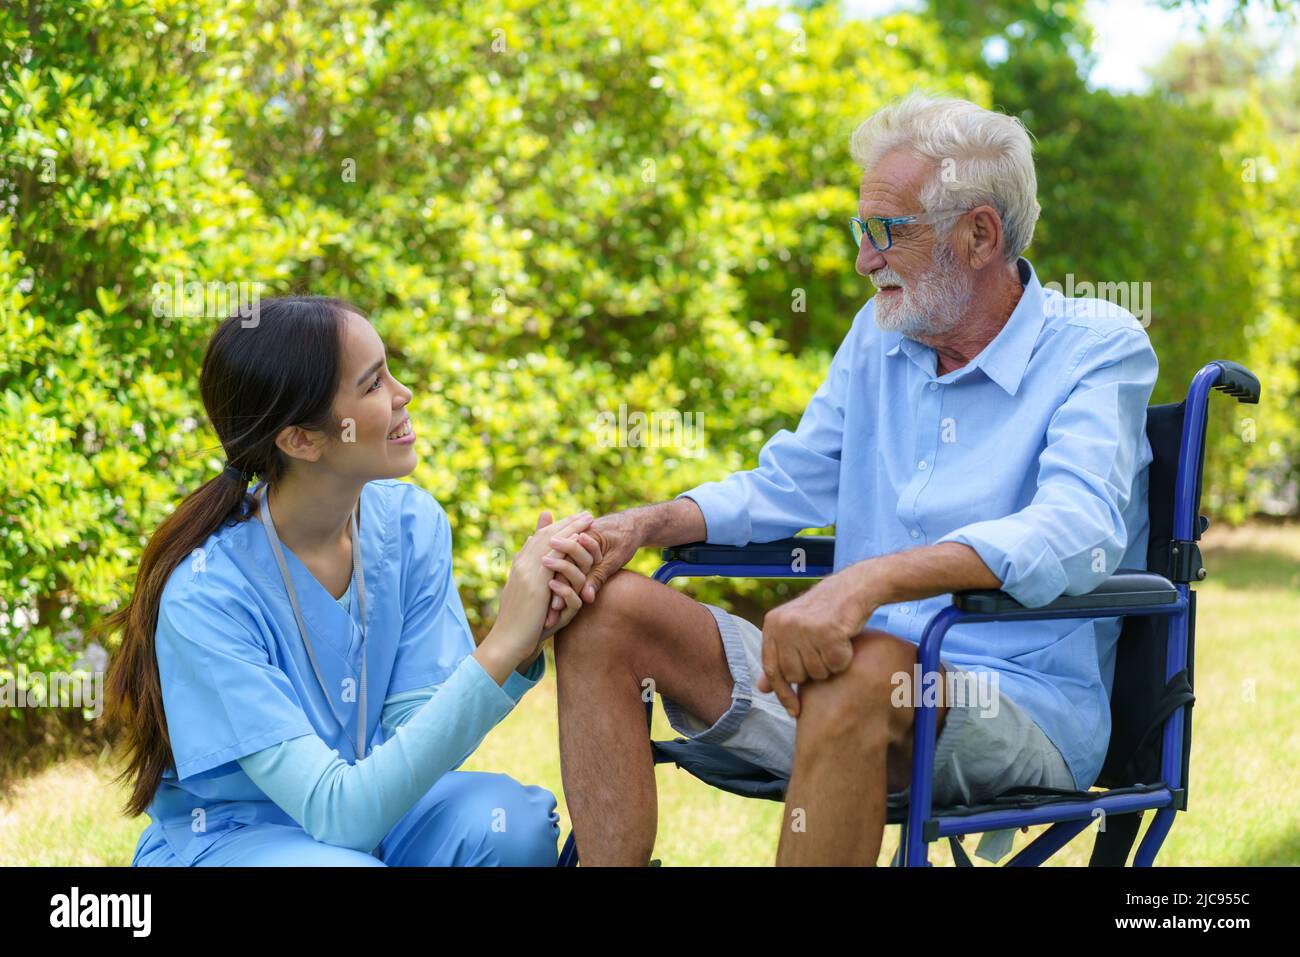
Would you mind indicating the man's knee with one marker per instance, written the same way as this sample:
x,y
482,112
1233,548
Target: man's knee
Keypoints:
x,y
611,616
624,594
860,699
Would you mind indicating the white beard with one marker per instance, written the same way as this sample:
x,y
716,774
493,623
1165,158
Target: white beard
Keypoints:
x,y
931,306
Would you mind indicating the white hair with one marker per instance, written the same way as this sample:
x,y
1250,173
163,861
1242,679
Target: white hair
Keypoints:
x,y
980,158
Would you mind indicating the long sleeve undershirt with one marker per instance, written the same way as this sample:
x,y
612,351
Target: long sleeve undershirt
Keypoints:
x,y
429,731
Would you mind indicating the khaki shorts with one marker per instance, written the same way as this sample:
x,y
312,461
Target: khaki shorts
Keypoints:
x,y
982,750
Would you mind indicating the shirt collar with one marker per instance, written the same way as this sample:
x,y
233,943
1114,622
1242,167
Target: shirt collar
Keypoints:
x,y
1003,360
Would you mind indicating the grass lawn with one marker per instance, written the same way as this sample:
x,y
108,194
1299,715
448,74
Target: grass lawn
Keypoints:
x,y
1246,739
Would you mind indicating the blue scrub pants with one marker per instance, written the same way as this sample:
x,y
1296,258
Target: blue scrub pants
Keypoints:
x,y
467,818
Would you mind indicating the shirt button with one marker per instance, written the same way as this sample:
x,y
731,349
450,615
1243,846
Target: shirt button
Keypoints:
x,y
921,465
933,386
906,609
915,533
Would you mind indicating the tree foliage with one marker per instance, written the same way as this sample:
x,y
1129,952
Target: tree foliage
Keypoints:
x,y
550,210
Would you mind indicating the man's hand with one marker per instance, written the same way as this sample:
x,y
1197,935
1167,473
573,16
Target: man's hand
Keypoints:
x,y
811,636
612,540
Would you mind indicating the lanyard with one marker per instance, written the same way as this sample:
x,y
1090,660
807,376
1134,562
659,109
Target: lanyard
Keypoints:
x,y
360,745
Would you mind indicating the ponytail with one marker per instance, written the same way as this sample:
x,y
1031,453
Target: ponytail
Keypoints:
x,y
134,691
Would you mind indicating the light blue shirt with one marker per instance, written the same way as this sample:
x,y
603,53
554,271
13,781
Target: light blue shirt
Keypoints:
x,y
237,680
428,732
1034,454
356,805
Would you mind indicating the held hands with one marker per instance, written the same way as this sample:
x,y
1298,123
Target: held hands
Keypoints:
x,y
811,636
571,558
525,599
607,545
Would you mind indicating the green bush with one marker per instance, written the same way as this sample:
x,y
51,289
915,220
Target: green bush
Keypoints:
x,y
549,210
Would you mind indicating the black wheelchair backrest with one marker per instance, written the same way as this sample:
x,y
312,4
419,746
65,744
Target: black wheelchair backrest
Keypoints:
x,y
1141,698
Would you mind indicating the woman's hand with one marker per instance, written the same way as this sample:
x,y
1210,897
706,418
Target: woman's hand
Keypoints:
x,y
528,591
570,559
613,540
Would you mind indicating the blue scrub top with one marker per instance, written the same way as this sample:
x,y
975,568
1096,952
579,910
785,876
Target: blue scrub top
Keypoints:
x,y
236,677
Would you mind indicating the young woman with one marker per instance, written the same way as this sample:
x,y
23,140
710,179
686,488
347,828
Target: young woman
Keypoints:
x,y
297,680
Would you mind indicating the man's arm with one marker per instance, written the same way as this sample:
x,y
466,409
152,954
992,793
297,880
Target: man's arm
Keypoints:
x,y
667,523
918,573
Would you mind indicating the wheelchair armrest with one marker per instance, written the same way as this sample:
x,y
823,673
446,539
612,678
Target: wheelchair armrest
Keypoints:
x,y
1127,588
818,550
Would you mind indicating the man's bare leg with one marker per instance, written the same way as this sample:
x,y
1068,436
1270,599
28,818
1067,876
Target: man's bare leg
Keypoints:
x,y
637,629
852,747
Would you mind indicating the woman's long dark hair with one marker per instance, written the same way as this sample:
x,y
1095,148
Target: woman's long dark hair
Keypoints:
x,y
258,378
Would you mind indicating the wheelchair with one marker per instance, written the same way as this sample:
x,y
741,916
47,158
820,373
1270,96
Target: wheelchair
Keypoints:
x,y
1147,760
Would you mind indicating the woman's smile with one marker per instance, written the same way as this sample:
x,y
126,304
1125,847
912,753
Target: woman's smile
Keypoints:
x,y
404,434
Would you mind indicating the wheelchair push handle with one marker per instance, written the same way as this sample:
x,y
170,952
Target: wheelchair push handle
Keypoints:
x,y
1237,381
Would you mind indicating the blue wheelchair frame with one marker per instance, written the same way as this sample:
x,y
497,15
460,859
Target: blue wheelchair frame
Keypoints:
x,y
1125,593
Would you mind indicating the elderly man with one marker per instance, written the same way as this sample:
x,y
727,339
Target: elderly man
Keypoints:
x,y
975,430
